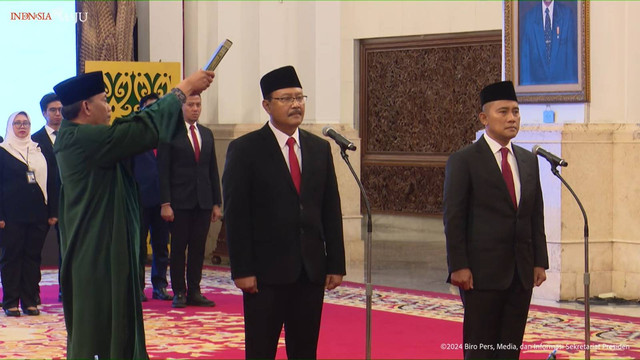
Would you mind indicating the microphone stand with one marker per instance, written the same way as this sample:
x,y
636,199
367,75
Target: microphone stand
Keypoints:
x,y
587,277
367,255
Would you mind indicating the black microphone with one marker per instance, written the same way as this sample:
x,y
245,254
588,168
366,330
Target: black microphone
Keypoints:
x,y
342,141
553,159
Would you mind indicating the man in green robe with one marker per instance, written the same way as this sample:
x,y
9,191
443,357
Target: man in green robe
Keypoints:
x,y
99,213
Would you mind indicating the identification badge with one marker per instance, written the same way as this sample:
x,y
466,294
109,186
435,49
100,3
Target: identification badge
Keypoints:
x,y
31,177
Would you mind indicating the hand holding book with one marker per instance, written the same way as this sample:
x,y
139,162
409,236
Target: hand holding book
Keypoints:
x,y
217,56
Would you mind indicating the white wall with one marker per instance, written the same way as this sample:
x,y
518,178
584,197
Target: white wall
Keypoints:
x,y
159,31
615,65
319,39
266,35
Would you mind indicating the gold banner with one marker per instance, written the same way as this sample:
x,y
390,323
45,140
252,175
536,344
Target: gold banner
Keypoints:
x,y
126,82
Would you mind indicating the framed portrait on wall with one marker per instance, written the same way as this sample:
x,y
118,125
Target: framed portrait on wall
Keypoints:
x,y
547,49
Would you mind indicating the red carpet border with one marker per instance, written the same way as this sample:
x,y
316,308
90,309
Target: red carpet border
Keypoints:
x,y
406,325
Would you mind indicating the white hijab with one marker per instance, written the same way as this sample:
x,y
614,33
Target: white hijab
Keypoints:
x,y
26,151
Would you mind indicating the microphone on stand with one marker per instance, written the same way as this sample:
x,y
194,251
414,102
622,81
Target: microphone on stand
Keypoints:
x,y
553,159
343,142
555,162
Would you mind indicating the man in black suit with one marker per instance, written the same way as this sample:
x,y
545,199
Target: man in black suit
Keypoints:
x,y
284,223
191,199
51,108
145,170
494,226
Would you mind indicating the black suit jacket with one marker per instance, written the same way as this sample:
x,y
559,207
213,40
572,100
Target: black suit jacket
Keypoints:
x,y
272,231
484,232
21,201
183,182
145,170
43,140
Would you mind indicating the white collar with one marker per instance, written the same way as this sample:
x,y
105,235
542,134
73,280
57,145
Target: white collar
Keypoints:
x,y
282,137
49,129
495,146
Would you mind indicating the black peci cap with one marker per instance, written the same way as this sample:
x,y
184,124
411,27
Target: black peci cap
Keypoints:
x,y
502,90
282,78
80,87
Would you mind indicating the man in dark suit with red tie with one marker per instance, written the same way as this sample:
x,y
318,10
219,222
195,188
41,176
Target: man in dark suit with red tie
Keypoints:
x,y
191,199
494,227
284,223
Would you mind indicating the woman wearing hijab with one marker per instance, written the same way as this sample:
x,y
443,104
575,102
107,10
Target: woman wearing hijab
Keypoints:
x,y
26,211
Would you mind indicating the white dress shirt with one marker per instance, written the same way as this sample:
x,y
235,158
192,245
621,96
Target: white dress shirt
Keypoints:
x,y
495,148
544,7
195,128
52,136
282,142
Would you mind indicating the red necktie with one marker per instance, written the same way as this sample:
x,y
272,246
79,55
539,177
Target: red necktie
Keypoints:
x,y
196,145
294,166
508,176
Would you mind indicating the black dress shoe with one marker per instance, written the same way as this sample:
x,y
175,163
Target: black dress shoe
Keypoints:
x,y
31,312
179,301
161,294
199,300
12,312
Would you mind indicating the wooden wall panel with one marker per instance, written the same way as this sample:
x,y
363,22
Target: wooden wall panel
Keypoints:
x,y
419,100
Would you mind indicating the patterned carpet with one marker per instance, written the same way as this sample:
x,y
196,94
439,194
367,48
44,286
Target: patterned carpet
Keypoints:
x,y
406,325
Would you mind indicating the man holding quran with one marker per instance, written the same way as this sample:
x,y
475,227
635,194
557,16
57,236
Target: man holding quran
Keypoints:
x,y
99,212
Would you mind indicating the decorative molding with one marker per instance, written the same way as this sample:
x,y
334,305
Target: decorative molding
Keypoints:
x,y
127,82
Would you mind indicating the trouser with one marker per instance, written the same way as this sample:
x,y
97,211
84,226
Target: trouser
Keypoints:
x,y
189,231
21,247
495,321
297,306
151,222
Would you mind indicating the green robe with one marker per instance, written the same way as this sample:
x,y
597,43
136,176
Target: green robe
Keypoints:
x,y
99,230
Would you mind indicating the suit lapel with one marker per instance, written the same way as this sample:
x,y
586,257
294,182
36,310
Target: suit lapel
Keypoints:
x,y
46,143
487,157
538,34
558,19
207,143
275,153
308,157
185,142
525,173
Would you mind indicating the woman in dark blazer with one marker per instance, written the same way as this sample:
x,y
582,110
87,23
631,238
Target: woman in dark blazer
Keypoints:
x,y
26,211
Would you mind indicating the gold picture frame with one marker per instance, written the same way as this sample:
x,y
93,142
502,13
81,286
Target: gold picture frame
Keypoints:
x,y
552,65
